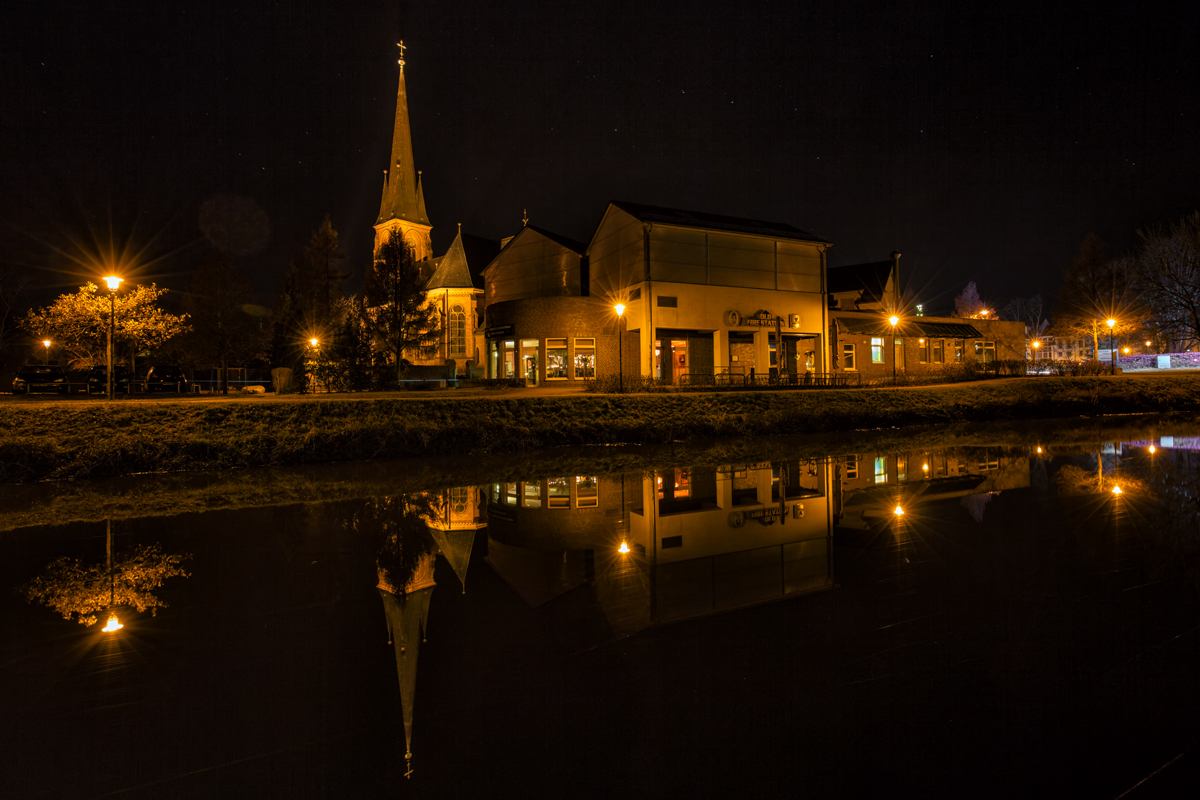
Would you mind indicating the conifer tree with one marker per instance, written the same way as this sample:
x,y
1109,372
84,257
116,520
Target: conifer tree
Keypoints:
x,y
400,320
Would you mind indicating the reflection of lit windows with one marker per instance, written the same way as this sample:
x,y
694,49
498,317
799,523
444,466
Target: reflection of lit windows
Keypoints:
x,y
556,359
901,468
510,494
681,487
587,493
585,358
851,467
880,469
496,493
988,463
458,499
558,493
876,349
531,496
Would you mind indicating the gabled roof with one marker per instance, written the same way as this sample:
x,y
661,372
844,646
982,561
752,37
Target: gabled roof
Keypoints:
x,y
699,219
870,279
578,248
462,265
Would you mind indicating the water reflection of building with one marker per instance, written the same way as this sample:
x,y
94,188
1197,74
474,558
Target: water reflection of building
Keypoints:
x,y
869,486
450,519
699,541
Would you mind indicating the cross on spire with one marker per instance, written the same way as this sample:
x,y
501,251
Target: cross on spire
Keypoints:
x,y
400,44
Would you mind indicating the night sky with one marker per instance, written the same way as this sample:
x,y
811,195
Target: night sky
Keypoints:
x,y
982,141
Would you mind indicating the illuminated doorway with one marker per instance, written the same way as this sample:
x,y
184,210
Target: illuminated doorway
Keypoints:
x,y
529,361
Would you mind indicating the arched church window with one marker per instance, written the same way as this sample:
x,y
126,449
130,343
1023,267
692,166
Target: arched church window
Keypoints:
x,y
458,500
458,330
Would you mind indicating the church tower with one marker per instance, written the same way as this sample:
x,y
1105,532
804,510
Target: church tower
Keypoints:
x,y
402,207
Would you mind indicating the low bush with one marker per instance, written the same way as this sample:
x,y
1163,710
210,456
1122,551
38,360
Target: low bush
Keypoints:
x,y
612,384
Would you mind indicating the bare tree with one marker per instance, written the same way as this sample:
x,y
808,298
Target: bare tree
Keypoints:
x,y
1094,290
968,304
1166,268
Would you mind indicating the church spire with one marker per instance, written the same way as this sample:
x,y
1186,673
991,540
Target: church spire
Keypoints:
x,y
402,198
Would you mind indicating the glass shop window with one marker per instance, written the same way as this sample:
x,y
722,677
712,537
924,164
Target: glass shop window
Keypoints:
x,y
556,359
531,495
585,358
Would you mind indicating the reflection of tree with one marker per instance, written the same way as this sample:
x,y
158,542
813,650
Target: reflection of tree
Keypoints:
x,y
397,525
78,589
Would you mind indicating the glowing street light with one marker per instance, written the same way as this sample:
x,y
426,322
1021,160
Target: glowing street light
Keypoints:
x,y
893,320
114,283
1153,449
620,309
624,548
899,511
314,343
1116,490
113,625
46,344
1112,354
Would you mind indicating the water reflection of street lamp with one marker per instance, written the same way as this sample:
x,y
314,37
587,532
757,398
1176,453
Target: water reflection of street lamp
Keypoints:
x,y
1112,354
624,548
1116,490
46,344
113,623
899,511
114,283
620,309
893,320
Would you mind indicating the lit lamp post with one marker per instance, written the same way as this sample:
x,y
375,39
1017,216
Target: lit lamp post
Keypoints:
x,y
46,344
620,309
1112,354
313,343
1036,345
894,321
114,283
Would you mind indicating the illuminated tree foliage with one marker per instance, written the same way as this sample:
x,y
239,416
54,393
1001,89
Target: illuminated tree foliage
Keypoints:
x,y
78,323
78,590
400,320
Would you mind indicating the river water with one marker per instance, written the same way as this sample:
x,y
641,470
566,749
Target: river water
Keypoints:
x,y
703,629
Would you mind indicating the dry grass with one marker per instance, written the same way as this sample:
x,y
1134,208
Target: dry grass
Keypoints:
x,y
62,441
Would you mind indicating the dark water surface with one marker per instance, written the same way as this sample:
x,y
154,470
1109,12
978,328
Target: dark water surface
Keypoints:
x,y
774,629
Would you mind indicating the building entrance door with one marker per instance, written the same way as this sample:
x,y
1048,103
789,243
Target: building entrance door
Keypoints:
x,y
529,361
898,353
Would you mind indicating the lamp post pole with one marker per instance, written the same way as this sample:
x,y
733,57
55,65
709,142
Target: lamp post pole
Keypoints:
x,y
1112,354
46,344
113,284
620,309
894,320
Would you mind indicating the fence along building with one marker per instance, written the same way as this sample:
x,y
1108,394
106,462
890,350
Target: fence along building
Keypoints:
x,y
703,291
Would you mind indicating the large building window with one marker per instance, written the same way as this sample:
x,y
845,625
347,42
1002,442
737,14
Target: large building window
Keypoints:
x,y
558,492
585,358
556,359
985,352
876,349
923,350
848,356
587,494
939,351
458,329
958,351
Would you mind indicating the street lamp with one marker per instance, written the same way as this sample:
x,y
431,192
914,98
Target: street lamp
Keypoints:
x,y
314,343
1036,345
114,283
620,309
894,321
46,344
1112,354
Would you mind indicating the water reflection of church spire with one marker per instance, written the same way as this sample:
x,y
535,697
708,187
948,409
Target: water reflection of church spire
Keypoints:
x,y
407,612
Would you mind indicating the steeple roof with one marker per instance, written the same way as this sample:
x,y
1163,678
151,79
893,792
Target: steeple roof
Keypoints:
x,y
453,270
406,617
403,196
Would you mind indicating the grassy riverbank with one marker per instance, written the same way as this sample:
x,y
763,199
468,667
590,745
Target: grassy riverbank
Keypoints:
x,y
73,440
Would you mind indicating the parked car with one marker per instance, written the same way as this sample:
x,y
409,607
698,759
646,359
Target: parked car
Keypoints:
x,y
40,379
166,378
97,380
